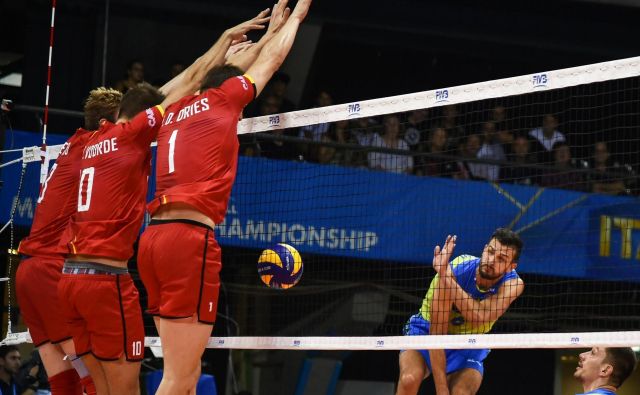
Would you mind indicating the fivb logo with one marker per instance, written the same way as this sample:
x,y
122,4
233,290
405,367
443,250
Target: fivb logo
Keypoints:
x,y
540,80
442,95
274,121
353,109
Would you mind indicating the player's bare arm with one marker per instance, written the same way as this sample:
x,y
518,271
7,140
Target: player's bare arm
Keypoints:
x,y
277,48
244,57
489,309
190,79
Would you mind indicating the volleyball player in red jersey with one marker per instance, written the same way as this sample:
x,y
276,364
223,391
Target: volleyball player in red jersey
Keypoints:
x,y
179,259
100,300
41,267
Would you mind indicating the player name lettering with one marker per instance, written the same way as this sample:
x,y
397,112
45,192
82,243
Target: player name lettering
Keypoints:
x,y
102,147
192,109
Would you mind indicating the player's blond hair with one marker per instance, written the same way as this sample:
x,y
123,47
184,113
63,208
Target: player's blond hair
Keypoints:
x,y
101,103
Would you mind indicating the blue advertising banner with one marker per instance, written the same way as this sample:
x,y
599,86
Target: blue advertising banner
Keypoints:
x,y
351,212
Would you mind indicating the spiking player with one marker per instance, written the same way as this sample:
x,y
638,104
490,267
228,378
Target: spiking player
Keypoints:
x,y
41,267
602,370
179,258
99,297
467,296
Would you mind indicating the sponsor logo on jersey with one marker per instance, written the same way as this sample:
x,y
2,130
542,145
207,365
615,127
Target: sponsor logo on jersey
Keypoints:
x,y
245,86
151,117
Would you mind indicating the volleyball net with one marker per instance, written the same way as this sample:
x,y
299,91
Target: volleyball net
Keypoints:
x,y
365,190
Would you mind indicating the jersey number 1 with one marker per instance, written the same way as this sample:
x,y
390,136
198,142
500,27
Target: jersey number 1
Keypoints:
x,y
88,173
172,150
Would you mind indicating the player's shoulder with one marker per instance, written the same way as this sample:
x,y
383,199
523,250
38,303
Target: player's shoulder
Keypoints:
x,y
239,83
465,258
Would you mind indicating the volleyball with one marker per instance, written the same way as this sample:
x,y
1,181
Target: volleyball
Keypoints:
x,y
280,266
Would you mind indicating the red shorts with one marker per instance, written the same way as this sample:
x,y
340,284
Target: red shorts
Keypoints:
x,y
37,291
179,263
104,315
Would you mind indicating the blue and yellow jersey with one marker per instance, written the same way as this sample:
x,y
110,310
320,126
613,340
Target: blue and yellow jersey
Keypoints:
x,y
599,391
464,269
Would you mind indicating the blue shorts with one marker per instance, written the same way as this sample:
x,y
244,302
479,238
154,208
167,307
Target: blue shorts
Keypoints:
x,y
456,359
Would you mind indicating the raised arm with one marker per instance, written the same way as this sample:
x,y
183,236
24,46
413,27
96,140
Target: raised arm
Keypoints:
x,y
189,80
277,48
489,309
246,56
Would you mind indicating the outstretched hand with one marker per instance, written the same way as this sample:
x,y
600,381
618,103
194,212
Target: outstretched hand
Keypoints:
x,y
279,16
302,7
441,257
238,32
237,48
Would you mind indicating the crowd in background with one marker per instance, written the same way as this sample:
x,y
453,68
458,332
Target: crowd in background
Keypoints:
x,y
478,144
482,145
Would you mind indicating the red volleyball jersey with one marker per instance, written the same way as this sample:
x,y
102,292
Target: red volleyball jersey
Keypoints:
x,y
197,153
114,169
57,201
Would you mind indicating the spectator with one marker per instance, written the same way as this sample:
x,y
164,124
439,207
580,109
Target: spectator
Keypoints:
x,y
277,148
32,376
414,129
499,117
270,104
389,139
607,176
491,149
432,166
278,87
468,149
358,131
341,132
363,130
271,148
175,70
546,137
521,156
455,132
503,128
9,367
315,132
326,154
135,76
565,175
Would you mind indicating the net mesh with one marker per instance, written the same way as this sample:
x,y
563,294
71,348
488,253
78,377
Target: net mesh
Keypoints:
x,y
365,190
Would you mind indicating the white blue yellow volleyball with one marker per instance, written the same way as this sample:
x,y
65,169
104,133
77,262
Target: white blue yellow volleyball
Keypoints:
x,y
280,266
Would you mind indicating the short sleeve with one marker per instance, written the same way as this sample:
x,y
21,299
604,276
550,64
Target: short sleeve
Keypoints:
x,y
144,126
240,90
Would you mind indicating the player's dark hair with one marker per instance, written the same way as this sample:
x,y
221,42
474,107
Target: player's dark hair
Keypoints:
x,y
509,238
138,99
624,361
4,350
219,74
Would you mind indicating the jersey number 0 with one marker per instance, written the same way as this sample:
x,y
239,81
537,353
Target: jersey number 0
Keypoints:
x,y
83,205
